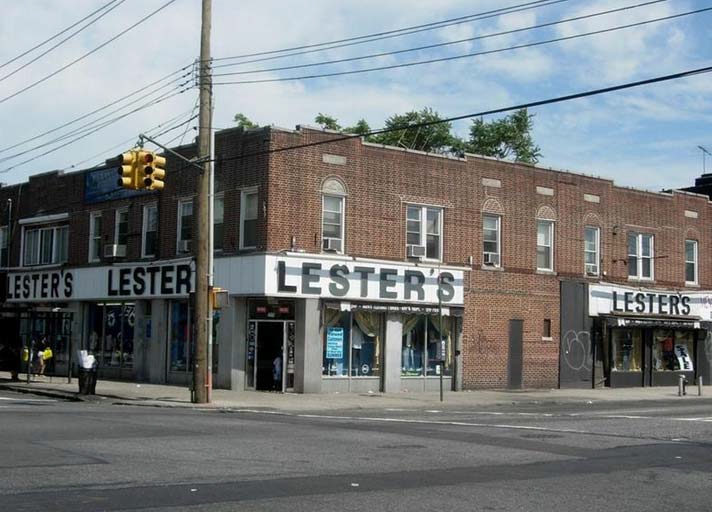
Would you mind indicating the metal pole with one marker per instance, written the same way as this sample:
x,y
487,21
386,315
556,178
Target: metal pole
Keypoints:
x,y
202,367
699,385
442,352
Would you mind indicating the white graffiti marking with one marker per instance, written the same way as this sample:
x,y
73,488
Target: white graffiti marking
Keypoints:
x,y
577,350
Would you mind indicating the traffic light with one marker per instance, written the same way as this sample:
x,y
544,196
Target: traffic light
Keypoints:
x,y
154,171
126,167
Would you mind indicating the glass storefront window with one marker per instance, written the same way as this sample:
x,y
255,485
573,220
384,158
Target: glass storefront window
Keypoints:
x,y
626,350
181,355
111,334
423,345
672,350
352,343
48,329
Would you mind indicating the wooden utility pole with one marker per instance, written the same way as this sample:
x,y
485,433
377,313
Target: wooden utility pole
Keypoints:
x,y
202,370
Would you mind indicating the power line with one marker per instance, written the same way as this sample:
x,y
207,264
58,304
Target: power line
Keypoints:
x,y
391,33
57,34
108,105
17,70
467,55
41,80
439,45
539,103
167,96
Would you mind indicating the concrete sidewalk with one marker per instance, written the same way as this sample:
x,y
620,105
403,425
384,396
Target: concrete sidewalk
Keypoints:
x,y
119,392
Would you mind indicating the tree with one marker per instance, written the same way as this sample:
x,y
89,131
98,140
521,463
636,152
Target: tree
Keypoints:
x,y
327,122
435,137
360,128
244,122
501,138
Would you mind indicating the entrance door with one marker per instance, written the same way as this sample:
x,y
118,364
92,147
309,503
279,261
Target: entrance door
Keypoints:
x,y
516,330
270,345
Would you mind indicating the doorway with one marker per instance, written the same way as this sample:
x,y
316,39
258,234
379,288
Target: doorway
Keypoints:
x,y
270,346
516,336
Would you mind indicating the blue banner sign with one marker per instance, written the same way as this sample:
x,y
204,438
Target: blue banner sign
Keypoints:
x,y
335,343
101,185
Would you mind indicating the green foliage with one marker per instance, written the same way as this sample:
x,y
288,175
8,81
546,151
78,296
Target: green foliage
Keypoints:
x,y
360,128
244,122
434,136
327,122
505,137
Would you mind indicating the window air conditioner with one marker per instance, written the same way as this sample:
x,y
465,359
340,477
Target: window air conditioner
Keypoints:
x,y
332,245
184,245
416,251
490,259
114,251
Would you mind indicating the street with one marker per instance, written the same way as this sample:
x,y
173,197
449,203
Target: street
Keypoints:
x,y
74,456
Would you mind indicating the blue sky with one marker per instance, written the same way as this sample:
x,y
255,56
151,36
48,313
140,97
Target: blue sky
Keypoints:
x,y
646,137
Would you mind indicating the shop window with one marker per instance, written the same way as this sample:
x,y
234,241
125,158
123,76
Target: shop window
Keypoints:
x,y
491,240
248,219
640,256
423,232
690,261
352,343
218,221
45,246
545,245
591,247
626,350
181,336
48,329
95,236
673,350
111,334
185,226
423,345
150,231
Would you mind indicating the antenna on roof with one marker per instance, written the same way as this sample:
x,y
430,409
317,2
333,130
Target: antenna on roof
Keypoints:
x,y
704,153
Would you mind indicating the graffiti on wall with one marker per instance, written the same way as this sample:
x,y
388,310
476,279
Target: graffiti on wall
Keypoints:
x,y
576,346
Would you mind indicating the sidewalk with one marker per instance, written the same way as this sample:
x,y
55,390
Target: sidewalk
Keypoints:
x,y
119,392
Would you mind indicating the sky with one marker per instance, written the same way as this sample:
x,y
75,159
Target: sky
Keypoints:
x,y
646,137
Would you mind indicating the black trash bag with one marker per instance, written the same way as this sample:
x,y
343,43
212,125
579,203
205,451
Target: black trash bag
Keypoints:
x,y
87,381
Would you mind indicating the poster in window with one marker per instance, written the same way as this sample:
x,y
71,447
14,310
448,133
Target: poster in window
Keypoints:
x,y
335,343
683,358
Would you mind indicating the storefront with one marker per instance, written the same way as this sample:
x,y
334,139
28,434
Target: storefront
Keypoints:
x,y
318,323
649,337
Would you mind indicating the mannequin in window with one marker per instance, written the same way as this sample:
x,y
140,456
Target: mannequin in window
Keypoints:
x,y
356,344
408,353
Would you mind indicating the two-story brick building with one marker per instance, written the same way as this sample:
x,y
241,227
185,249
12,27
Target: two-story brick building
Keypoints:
x,y
365,267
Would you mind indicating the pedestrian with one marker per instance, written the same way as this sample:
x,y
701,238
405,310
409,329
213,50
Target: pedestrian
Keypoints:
x,y
277,373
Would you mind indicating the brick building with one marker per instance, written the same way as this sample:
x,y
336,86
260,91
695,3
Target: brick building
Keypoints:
x,y
352,266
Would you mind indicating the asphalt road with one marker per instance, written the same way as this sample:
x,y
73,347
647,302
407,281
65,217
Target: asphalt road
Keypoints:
x,y
69,456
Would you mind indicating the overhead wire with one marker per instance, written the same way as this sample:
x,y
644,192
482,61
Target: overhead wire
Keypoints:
x,y
55,36
447,43
531,104
94,50
467,55
35,59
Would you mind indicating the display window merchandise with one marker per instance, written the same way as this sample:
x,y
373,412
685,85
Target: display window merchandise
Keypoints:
x,y
352,343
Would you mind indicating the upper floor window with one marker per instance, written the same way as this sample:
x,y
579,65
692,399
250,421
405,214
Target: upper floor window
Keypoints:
x,y
640,256
248,219
185,225
691,261
591,248
4,247
95,236
121,231
423,232
332,223
45,246
545,245
491,240
150,231
218,221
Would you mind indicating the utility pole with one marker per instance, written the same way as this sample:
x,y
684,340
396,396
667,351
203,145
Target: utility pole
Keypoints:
x,y
202,370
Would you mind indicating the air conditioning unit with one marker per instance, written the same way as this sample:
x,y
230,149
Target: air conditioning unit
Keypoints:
x,y
114,251
184,245
331,245
416,251
491,260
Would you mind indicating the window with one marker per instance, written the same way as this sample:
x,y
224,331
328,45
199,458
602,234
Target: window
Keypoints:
x,y
545,245
4,244
218,221
546,331
332,223
352,343
626,348
491,237
95,238
248,219
121,231
185,225
150,231
691,261
640,256
425,342
423,229
590,250
673,351
45,246
111,334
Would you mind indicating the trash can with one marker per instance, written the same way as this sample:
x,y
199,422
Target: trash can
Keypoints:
x,y
87,381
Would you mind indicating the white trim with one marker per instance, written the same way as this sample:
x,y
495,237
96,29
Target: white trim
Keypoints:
x,y
498,229
92,226
243,193
695,262
597,251
423,220
144,225
117,213
342,224
639,256
43,219
179,223
550,224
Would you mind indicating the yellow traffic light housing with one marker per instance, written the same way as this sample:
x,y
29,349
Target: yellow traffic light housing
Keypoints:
x,y
127,169
154,171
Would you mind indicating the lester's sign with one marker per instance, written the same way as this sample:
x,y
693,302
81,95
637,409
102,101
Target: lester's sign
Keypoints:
x,y
604,299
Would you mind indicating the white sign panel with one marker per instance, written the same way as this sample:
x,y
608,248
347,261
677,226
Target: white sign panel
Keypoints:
x,y
604,299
